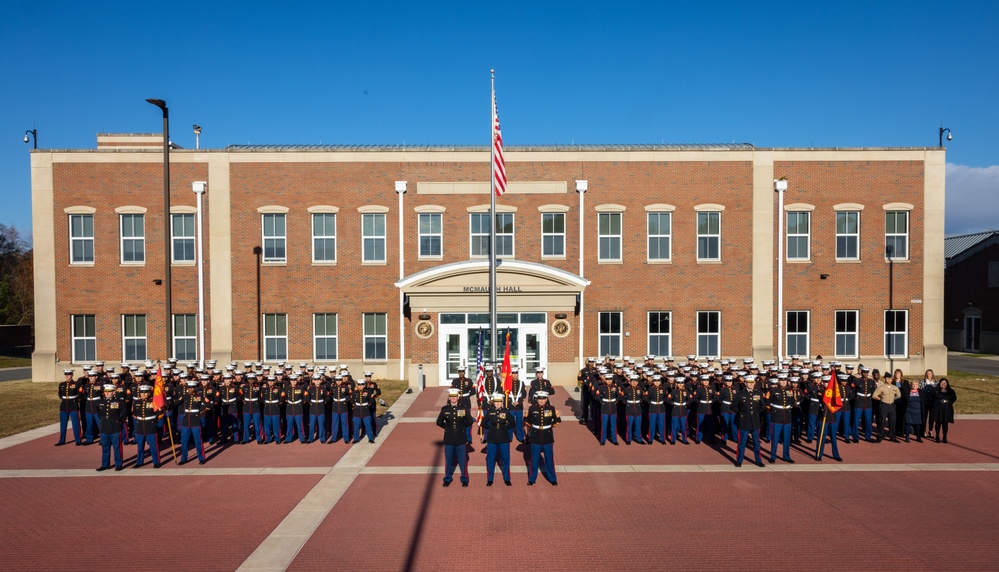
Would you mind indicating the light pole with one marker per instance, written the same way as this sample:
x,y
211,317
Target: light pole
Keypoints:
x,y
34,136
780,186
166,222
949,136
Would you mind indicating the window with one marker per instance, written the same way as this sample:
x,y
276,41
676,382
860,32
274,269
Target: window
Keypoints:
x,y
133,332
182,227
479,231
896,333
375,337
846,333
81,238
709,237
708,332
275,337
431,235
324,237
274,237
553,234
324,336
185,337
373,235
133,238
84,338
609,234
659,334
797,334
848,235
660,231
897,234
798,232
610,333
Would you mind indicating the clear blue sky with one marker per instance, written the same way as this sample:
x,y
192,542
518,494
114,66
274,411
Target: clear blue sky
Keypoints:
x,y
781,74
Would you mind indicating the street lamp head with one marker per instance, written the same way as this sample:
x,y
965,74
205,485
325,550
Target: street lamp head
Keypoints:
x,y
158,103
26,140
197,130
949,136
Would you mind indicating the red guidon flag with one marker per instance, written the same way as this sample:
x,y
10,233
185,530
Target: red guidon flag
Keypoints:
x,y
159,390
832,397
507,370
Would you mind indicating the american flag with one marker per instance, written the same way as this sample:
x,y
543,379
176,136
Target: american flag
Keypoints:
x,y
499,165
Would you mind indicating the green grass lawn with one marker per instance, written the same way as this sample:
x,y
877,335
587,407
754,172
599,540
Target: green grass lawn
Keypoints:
x,y
6,361
976,392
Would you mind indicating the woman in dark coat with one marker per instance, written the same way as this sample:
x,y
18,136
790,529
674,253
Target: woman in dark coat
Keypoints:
x,y
913,410
900,406
942,409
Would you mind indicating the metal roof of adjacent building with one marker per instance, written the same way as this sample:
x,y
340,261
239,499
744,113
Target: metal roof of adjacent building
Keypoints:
x,y
958,244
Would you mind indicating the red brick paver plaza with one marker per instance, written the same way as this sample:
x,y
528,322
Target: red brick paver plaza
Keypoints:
x,y
916,506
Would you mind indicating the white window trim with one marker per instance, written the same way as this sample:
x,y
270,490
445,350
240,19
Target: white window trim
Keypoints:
x,y
807,333
374,211
697,327
857,234
173,239
263,324
122,239
512,235
312,221
365,336
908,242
619,335
263,238
620,236
420,234
125,338
855,333
175,337
336,337
74,337
788,236
544,234
648,339
905,335
92,239
649,237
699,235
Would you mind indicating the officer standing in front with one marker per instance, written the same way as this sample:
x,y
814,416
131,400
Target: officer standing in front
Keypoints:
x,y
748,406
111,412
498,424
69,407
453,419
541,418
192,407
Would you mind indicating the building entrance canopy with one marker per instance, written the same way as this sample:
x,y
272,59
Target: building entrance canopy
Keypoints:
x,y
464,287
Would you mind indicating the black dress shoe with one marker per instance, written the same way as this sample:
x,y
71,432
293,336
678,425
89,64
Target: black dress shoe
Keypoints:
x,y
464,484
838,459
788,460
79,444
530,483
771,461
760,464
58,444
118,468
201,462
99,469
157,465
738,465
447,483
508,483
555,484
489,483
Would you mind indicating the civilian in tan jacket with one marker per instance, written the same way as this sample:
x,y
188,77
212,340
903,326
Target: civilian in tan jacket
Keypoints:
x,y
886,394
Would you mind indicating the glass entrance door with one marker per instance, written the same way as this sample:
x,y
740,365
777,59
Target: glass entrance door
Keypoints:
x,y
972,333
459,339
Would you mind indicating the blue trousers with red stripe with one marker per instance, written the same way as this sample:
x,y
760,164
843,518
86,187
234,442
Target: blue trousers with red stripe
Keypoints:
x,y
110,442
455,455
548,470
65,417
191,433
154,451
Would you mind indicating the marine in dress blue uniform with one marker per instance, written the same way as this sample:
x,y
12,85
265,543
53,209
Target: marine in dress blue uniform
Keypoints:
x,y
191,407
454,419
541,419
316,397
498,430
782,402
146,434
748,407
70,393
339,410
111,412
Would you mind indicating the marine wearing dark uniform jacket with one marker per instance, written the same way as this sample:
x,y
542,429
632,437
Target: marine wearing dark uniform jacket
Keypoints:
x,y
454,420
70,393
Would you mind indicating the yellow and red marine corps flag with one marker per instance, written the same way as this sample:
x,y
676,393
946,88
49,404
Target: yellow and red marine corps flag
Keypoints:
x,y
159,390
832,397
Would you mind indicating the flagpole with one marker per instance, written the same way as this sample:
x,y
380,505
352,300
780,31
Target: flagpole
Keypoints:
x,y
492,220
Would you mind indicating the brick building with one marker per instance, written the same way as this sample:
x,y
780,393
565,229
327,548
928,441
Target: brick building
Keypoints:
x,y
971,287
622,250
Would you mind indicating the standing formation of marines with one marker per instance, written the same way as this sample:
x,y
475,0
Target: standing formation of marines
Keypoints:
x,y
214,406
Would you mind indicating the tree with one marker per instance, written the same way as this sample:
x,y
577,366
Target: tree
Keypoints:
x,y
16,278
